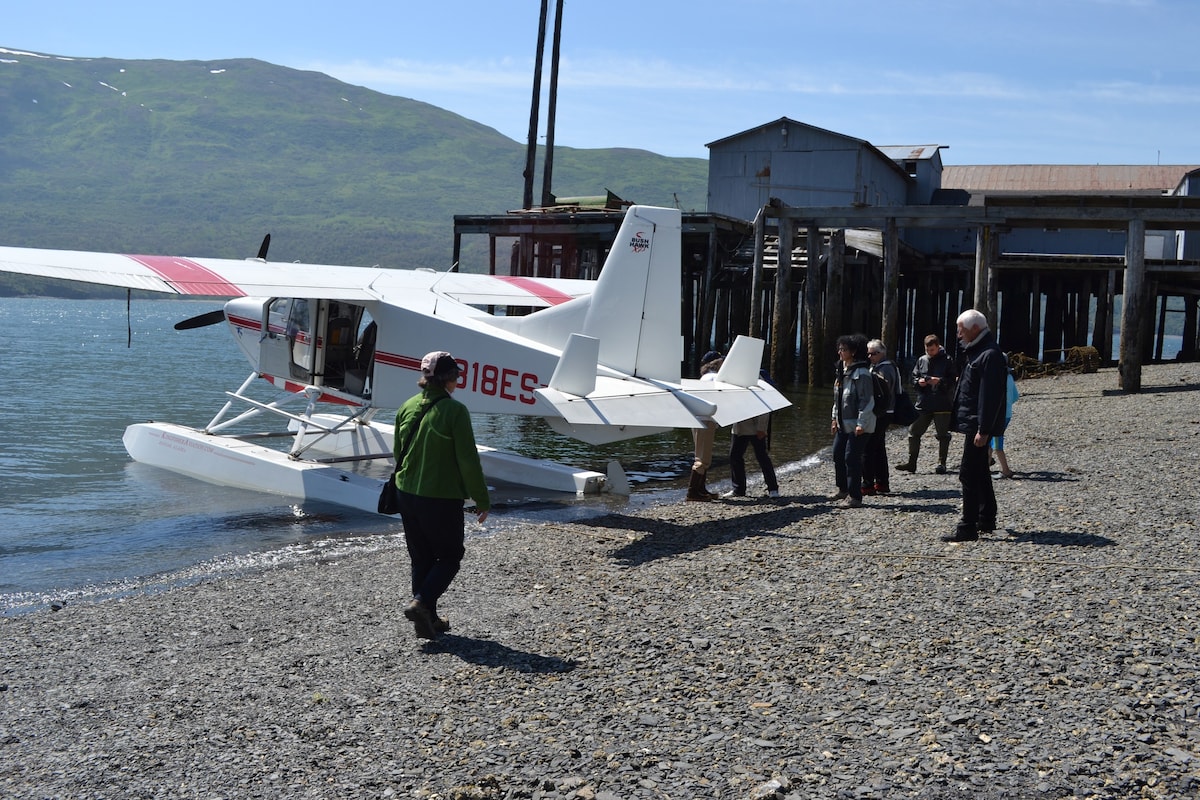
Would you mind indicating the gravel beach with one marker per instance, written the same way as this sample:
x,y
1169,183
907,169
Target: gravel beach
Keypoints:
x,y
747,648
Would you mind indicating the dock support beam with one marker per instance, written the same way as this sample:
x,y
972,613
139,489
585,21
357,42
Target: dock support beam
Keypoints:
x,y
891,286
1134,307
783,350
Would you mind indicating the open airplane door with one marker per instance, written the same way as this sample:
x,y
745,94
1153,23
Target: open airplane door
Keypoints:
x,y
325,343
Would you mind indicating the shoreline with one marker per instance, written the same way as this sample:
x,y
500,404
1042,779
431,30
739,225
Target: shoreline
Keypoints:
x,y
682,649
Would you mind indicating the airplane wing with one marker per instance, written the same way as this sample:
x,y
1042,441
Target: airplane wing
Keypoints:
x,y
619,402
215,277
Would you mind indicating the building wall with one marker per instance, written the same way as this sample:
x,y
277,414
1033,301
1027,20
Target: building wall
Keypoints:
x,y
802,166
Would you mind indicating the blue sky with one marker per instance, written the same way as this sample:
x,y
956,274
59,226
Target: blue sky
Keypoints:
x,y
998,82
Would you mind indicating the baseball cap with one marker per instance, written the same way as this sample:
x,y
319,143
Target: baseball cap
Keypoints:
x,y
439,364
711,355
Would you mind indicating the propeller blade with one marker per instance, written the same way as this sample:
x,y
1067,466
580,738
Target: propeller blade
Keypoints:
x,y
201,320
262,248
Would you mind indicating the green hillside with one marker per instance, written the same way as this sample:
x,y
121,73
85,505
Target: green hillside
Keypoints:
x,y
203,158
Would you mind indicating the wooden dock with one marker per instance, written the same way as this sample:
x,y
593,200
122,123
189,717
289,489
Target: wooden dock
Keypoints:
x,y
757,277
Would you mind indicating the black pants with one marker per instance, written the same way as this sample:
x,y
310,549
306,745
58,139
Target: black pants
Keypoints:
x,y
434,532
875,466
979,498
737,463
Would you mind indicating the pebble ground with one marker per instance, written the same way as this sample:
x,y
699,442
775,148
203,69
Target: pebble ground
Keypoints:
x,y
748,648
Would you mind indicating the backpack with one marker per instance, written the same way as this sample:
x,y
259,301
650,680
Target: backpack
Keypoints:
x,y
882,392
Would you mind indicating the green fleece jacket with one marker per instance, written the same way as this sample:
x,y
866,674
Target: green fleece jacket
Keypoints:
x,y
442,460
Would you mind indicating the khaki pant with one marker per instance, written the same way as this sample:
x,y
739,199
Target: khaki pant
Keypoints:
x,y
702,439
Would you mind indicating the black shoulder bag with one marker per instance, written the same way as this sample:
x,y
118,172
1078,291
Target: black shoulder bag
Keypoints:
x,y
389,495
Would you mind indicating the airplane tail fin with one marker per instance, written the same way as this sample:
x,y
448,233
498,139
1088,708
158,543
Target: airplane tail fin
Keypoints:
x,y
634,310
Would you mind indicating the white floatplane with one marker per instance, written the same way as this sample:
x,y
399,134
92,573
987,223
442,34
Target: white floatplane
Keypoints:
x,y
598,360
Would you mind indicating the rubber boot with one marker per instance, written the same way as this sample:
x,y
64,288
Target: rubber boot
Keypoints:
x,y
943,451
914,449
696,488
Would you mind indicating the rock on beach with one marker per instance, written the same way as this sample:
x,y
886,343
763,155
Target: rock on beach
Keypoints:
x,y
749,648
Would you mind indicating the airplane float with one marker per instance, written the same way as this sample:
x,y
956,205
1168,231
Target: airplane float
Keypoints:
x,y
599,360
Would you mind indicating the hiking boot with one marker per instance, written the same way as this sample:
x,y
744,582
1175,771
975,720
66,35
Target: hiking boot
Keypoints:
x,y
882,488
906,466
772,493
963,533
441,624
840,494
850,502
868,490
418,614
940,469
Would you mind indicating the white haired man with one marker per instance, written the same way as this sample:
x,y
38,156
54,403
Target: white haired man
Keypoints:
x,y
979,414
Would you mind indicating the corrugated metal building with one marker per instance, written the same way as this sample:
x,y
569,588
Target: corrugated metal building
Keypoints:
x,y
805,166
1051,246
801,165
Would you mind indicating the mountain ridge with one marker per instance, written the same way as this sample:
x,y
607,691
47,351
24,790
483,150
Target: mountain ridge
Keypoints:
x,y
202,158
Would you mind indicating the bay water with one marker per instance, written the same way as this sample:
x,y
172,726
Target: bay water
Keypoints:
x,y
80,520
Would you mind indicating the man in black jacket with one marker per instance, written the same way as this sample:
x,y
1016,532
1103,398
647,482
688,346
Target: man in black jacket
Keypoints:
x,y
978,413
934,377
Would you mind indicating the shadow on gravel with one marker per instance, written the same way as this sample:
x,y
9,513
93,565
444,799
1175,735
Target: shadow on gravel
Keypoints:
x,y
1178,387
1059,538
666,539
487,653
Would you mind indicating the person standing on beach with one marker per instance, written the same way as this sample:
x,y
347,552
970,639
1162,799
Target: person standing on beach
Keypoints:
x,y
437,467
853,418
703,438
934,376
875,479
753,432
979,414
997,443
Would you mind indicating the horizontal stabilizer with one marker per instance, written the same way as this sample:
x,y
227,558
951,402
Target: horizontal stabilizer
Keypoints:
x,y
736,403
620,402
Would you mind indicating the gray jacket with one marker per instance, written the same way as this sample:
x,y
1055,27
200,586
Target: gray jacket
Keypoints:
x,y
854,398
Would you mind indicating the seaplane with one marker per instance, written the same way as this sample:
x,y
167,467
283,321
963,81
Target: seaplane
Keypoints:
x,y
599,361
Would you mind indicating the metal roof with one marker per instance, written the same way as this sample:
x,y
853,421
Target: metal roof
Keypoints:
x,y
1072,178
909,152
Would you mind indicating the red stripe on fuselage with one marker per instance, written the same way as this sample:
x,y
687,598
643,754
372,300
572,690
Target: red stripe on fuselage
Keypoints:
x,y
395,360
551,296
188,276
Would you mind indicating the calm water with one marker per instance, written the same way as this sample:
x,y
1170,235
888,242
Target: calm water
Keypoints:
x,y
78,519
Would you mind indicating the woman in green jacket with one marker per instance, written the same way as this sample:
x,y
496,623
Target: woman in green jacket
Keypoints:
x,y
437,467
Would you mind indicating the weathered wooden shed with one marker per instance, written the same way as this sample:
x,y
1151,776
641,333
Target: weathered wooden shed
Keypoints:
x,y
800,165
900,275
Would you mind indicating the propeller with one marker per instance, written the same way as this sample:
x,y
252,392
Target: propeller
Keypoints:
x,y
262,248
214,317
201,320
